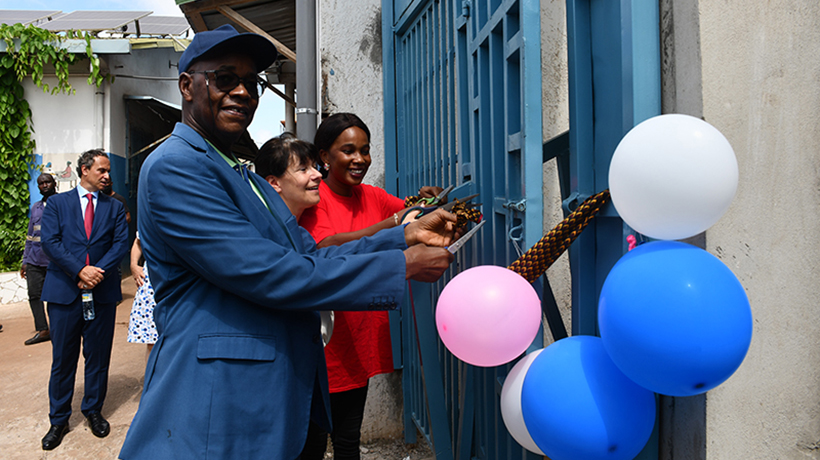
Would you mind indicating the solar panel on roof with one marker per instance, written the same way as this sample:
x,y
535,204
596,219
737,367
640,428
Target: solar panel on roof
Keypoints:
x,y
94,21
160,25
25,17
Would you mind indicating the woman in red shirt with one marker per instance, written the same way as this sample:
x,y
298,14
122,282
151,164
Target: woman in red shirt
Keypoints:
x,y
360,346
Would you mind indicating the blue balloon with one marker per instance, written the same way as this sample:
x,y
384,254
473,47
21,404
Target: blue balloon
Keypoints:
x,y
674,318
577,405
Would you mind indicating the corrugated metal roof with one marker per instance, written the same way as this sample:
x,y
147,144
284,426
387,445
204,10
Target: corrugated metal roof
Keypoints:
x,y
276,17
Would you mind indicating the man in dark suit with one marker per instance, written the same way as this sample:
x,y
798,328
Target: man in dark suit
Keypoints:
x,y
85,236
239,368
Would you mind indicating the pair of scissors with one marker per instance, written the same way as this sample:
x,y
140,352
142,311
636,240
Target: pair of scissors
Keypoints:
x,y
421,210
426,205
465,201
434,201
460,242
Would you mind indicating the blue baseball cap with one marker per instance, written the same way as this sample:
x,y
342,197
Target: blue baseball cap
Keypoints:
x,y
225,40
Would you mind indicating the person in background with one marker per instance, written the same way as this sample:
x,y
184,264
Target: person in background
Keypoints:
x,y
109,190
85,237
35,262
361,345
141,326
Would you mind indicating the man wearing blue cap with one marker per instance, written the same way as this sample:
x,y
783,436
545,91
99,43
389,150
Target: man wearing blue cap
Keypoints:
x,y
238,369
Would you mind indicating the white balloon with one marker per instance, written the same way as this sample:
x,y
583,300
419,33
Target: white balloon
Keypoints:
x,y
511,403
673,176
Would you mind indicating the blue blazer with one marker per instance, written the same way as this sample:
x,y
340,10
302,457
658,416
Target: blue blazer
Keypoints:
x,y
65,243
239,366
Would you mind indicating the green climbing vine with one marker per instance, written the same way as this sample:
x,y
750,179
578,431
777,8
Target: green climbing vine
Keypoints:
x,y
29,50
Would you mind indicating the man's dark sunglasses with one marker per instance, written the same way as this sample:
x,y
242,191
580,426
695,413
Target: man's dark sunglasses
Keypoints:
x,y
226,81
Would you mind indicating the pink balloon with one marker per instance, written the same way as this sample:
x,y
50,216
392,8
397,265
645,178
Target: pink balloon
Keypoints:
x,y
488,315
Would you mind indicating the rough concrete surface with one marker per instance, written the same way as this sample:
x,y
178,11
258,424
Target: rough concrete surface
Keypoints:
x,y
24,373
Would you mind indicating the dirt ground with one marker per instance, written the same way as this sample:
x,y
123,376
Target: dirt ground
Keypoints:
x,y
24,373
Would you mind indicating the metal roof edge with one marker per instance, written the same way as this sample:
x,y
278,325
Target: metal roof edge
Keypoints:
x,y
98,45
153,99
179,44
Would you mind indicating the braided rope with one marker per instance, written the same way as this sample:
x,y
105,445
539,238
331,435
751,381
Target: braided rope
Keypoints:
x,y
549,248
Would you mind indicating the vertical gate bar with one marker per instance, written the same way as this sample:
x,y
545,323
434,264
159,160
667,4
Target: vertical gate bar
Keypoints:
x,y
467,416
579,60
426,99
463,114
415,135
429,164
452,97
531,123
430,365
392,106
531,140
622,40
418,81
435,109
645,68
432,163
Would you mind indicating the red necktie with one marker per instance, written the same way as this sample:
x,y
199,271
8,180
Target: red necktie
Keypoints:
x,y
89,219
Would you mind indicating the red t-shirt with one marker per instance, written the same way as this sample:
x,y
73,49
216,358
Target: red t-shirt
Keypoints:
x,y
360,345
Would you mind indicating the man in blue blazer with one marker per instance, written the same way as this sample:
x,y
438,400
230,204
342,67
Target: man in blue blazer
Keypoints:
x,y
85,236
239,369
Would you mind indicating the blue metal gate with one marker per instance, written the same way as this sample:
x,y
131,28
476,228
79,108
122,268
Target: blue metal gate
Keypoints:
x,y
462,92
466,84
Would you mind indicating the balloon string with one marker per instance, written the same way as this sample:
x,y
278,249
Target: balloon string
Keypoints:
x,y
549,248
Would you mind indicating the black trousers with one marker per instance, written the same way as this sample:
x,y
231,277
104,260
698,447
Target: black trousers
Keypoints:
x,y
35,276
346,412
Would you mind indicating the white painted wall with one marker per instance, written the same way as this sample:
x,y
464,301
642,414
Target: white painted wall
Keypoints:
x,y
67,125
64,125
761,89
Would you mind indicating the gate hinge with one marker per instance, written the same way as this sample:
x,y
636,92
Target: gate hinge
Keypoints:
x,y
519,206
465,8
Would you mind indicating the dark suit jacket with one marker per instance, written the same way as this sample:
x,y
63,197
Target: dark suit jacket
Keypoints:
x,y
239,360
65,244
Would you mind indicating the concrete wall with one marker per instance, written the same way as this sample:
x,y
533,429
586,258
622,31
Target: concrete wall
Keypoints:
x,y
761,89
752,72
555,116
351,55
160,62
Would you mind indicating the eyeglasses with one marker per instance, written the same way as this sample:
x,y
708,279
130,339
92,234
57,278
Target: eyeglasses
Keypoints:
x,y
226,81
